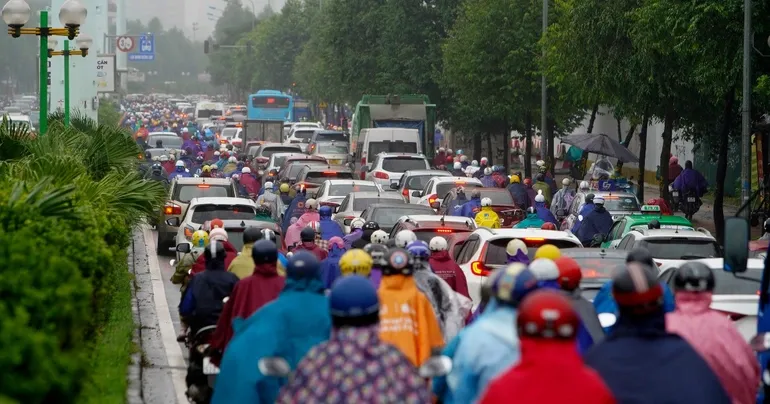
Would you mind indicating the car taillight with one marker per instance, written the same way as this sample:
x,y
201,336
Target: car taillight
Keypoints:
x,y
478,268
381,175
432,199
405,192
188,232
172,209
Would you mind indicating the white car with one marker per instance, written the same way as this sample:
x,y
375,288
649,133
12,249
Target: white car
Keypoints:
x,y
387,168
672,245
736,297
332,192
438,187
484,251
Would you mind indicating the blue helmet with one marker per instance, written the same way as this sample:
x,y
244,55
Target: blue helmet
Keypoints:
x,y
396,261
264,252
325,211
353,296
511,284
303,264
418,249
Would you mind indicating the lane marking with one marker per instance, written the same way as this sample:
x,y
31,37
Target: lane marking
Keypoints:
x,y
176,363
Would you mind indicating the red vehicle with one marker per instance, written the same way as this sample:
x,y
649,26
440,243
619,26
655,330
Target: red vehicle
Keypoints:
x,y
502,204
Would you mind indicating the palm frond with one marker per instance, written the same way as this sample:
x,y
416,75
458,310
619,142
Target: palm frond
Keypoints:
x,y
14,140
128,195
46,200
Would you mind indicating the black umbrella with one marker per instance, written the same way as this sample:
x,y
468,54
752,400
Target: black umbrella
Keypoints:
x,y
601,143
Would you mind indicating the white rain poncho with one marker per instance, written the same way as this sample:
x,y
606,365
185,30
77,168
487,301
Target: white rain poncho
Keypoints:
x,y
450,307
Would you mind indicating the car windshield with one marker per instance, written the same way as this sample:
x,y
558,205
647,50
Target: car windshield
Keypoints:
x,y
303,134
443,188
253,151
278,160
498,198
185,193
344,189
496,254
318,177
388,216
663,226
359,204
268,151
228,133
205,213
727,284
332,148
679,248
168,141
621,203
418,182
401,164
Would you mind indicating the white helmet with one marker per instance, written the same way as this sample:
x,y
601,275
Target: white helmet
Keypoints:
x,y
164,158
440,149
514,246
379,237
357,223
438,244
584,186
488,171
539,197
311,203
544,269
232,159
179,163
540,163
315,226
217,153
457,165
475,163
484,160
404,237
463,158
449,151
246,170
486,202
566,182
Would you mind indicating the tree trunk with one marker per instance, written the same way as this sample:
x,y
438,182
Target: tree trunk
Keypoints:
x,y
490,155
620,131
506,146
665,151
629,135
642,154
528,145
550,162
724,146
477,147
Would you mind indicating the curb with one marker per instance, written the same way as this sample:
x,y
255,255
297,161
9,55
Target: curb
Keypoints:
x,y
134,373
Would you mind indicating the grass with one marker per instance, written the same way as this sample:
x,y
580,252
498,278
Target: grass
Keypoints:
x,y
112,347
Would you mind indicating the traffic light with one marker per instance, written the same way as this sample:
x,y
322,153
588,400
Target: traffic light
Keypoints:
x,y
206,46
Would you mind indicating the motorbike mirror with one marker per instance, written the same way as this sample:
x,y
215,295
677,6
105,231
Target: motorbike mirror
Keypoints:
x,y
274,366
183,247
607,319
172,263
436,366
225,299
736,247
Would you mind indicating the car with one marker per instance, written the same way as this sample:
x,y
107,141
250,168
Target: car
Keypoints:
x,y
291,169
334,152
332,192
484,251
735,296
597,265
181,191
619,204
425,227
168,140
388,168
320,136
414,180
355,203
275,162
263,152
622,226
151,153
387,214
502,204
672,244
228,134
19,119
435,190
311,177
301,136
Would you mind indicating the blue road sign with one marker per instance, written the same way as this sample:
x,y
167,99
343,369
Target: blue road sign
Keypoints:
x,y
145,50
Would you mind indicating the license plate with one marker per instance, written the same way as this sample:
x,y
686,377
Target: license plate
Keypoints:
x,y
335,162
690,199
208,367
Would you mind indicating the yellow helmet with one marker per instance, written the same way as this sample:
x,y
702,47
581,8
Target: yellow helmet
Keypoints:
x,y
548,251
356,262
515,179
200,238
206,169
284,188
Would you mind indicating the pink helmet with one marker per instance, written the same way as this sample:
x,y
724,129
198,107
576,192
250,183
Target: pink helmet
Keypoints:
x,y
673,160
336,241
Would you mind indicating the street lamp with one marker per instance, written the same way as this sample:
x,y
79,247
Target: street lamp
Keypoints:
x,y
83,42
16,14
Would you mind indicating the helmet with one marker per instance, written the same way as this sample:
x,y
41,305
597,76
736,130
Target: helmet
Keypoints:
x,y
515,179
673,160
268,186
548,251
457,165
475,163
216,153
589,198
311,204
163,158
232,159
284,188
514,246
353,296
488,171
206,168
539,198
441,149
379,237
325,211
268,234
486,202
584,185
336,242
449,159
463,159
179,163
200,238
215,252
527,181
377,251
449,151
303,264
218,234
245,170
217,223
307,234
418,249
642,256
356,262
475,194
371,226
264,252
566,182
569,273
547,314
767,226
637,290
251,235
438,244
540,163
548,226
396,261
654,224
315,226
484,160
404,237
598,200
511,284
544,269
694,277
357,223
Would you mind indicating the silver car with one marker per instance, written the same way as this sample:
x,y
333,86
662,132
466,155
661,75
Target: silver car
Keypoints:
x,y
388,168
333,192
355,203
336,153
619,204
415,180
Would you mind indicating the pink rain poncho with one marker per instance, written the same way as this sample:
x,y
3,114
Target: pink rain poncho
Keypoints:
x,y
717,340
292,233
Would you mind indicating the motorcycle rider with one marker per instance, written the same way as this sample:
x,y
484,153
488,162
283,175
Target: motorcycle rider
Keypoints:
x,y
711,333
542,210
356,232
283,193
307,237
597,222
531,193
216,234
288,327
532,221
672,370
542,188
562,200
546,272
471,170
487,179
445,267
330,267
231,166
455,205
487,217
296,209
180,171
588,207
546,326
483,166
249,182
329,228
377,252
457,169
354,308
472,207
366,237
570,275
269,199
518,192
243,265
690,180
674,169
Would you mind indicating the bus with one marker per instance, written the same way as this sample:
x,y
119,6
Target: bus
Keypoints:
x,y
270,105
301,110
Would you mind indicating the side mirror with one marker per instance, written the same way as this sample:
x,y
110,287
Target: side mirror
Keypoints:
x,y
172,263
417,194
183,247
435,366
173,221
274,366
736,247
393,185
435,205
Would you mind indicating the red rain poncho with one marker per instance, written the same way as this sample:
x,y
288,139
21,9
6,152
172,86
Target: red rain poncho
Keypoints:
x,y
230,254
447,269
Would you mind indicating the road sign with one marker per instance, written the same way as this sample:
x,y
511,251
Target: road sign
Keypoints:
x,y
125,43
146,51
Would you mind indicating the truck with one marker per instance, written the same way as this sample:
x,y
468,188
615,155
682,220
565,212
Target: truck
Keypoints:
x,y
412,111
261,131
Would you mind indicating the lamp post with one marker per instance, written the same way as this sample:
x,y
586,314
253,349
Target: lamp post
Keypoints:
x,y
16,14
83,42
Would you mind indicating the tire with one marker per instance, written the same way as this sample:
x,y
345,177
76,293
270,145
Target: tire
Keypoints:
x,y
163,246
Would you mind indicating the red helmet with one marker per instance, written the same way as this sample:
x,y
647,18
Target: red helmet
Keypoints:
x,y
527,181
569,273
450,159
217,223
548,226
547,314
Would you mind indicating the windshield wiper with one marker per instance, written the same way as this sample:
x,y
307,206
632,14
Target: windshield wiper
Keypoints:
x,y
692,257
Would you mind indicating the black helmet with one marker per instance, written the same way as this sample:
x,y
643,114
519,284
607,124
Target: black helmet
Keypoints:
x,y
767,226
371,226
642,256
251,234
214,253
654,224
377,252
694,277
264,252
636,290
307,234
397,261
590,198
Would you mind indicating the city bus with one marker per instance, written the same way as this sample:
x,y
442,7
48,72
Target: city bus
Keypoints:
x,y
270,105
301,110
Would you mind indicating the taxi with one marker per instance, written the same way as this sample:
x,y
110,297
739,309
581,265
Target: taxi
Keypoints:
x,y
648,213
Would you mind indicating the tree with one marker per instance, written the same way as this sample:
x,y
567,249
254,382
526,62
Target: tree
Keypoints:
x,y
18,74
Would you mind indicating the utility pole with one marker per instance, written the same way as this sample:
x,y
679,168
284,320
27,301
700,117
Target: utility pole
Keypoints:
x,y
746,109
544,95
194,28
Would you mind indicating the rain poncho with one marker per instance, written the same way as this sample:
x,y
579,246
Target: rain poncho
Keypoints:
x,y
451,308
584,211
532,221
488,347
243,265
407,320
487,218
488,181
545,215
329,228
447,269
251,184
229,169
202,300
520,257
562,200
531,193
543,362
330,267
297,204
590,331
544,188
597,222
292,233
470,208
454,206
230,254
604,302
288,327
352,237
179,172
354,366
691,179
717,340
519,193
269,199
642,363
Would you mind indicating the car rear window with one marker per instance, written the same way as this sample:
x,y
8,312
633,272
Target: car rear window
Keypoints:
x,y
328,148
303,134
677,248
168,141
185,193
443,188
498,198
227,133
359,204
344,189
418,182
427,235
496,254
317,177
621,203
269,150
376,148
328,137
727,284
599,269
295,168
387,216
401,164
279,160
204,213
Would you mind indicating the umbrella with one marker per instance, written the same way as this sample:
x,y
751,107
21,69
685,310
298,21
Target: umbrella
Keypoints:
x,y
603,144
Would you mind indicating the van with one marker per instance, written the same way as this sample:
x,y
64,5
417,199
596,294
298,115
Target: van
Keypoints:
x,y
373,141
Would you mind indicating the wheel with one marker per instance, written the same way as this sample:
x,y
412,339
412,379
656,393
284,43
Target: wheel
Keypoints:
x,y
163,246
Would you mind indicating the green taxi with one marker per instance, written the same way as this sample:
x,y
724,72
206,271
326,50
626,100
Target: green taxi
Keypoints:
x,y
649,213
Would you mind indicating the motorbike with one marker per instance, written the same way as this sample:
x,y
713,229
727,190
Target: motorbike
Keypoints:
x,y
201,372
674,202
690,204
